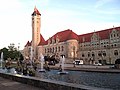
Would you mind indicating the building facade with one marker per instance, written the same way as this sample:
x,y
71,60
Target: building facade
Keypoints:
x,y
96,47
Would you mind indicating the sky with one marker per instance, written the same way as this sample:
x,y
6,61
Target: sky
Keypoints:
x,y
81,16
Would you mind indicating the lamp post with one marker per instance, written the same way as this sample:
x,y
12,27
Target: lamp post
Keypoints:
x,y
74,55
18,51
102,57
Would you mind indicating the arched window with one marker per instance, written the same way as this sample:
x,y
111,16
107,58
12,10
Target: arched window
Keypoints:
x,y
59,48
62,48
88,54
48,50
56,49
116,52
93,54
104,53
83,55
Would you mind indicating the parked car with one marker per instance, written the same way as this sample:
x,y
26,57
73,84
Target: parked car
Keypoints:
x,y
78,62
98,64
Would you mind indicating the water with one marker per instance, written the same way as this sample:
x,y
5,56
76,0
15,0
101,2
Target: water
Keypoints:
x,y
42,63
1,59
62,71
31,56
103,80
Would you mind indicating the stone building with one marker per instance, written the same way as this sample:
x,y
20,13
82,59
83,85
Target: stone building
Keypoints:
x,y
101,46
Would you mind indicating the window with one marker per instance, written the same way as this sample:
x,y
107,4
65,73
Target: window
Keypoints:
x,y
116,52
114,35
83,55
111,35
104,53
45,50
93,54
104,46
48,50
62,48
59,49
56,49
99,54
88,54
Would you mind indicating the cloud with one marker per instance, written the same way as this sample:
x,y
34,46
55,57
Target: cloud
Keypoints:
x,y
38,2
100,3
109,12
9,5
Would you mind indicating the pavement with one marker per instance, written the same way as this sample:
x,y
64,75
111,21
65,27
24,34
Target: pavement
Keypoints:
x,y
6,84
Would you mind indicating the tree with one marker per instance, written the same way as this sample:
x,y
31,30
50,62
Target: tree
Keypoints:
x,y
11,52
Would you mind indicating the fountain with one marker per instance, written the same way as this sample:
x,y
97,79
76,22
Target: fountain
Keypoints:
x,y
42,62
31,57
1,60
62,71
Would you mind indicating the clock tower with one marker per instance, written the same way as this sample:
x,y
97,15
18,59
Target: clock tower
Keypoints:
x,y
36,25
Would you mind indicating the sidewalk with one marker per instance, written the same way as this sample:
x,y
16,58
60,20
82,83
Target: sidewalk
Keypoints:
x,y
88,68
6,84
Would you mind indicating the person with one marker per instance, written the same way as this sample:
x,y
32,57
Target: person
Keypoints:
x,y
31,72
60,68
8,64
47,66
25,71
35,64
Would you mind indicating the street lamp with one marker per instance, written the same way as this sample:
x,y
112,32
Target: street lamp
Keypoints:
x,y
18,51
74,55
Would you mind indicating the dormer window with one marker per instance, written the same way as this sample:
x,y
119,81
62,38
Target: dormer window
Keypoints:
x,y
53,40
57,39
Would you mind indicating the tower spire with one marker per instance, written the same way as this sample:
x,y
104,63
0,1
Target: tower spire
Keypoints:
x,y
35,9
36,12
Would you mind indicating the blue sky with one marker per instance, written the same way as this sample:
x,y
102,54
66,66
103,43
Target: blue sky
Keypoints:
x,y
81,16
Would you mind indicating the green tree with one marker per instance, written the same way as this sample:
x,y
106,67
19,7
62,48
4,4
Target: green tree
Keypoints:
x,y
11,52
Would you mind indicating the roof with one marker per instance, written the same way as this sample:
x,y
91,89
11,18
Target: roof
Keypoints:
x,y
42,41
28,44
36,12
69,34
65,35
103,34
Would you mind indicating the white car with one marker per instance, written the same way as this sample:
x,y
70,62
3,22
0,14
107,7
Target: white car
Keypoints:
x,y
98,64
78,62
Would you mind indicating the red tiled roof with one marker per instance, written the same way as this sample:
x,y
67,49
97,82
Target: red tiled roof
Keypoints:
x,y
36,12
85,37
42,41
103,34
69,34
28,44
65,35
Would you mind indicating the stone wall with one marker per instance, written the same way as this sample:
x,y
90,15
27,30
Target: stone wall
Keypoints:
x,y
47,84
